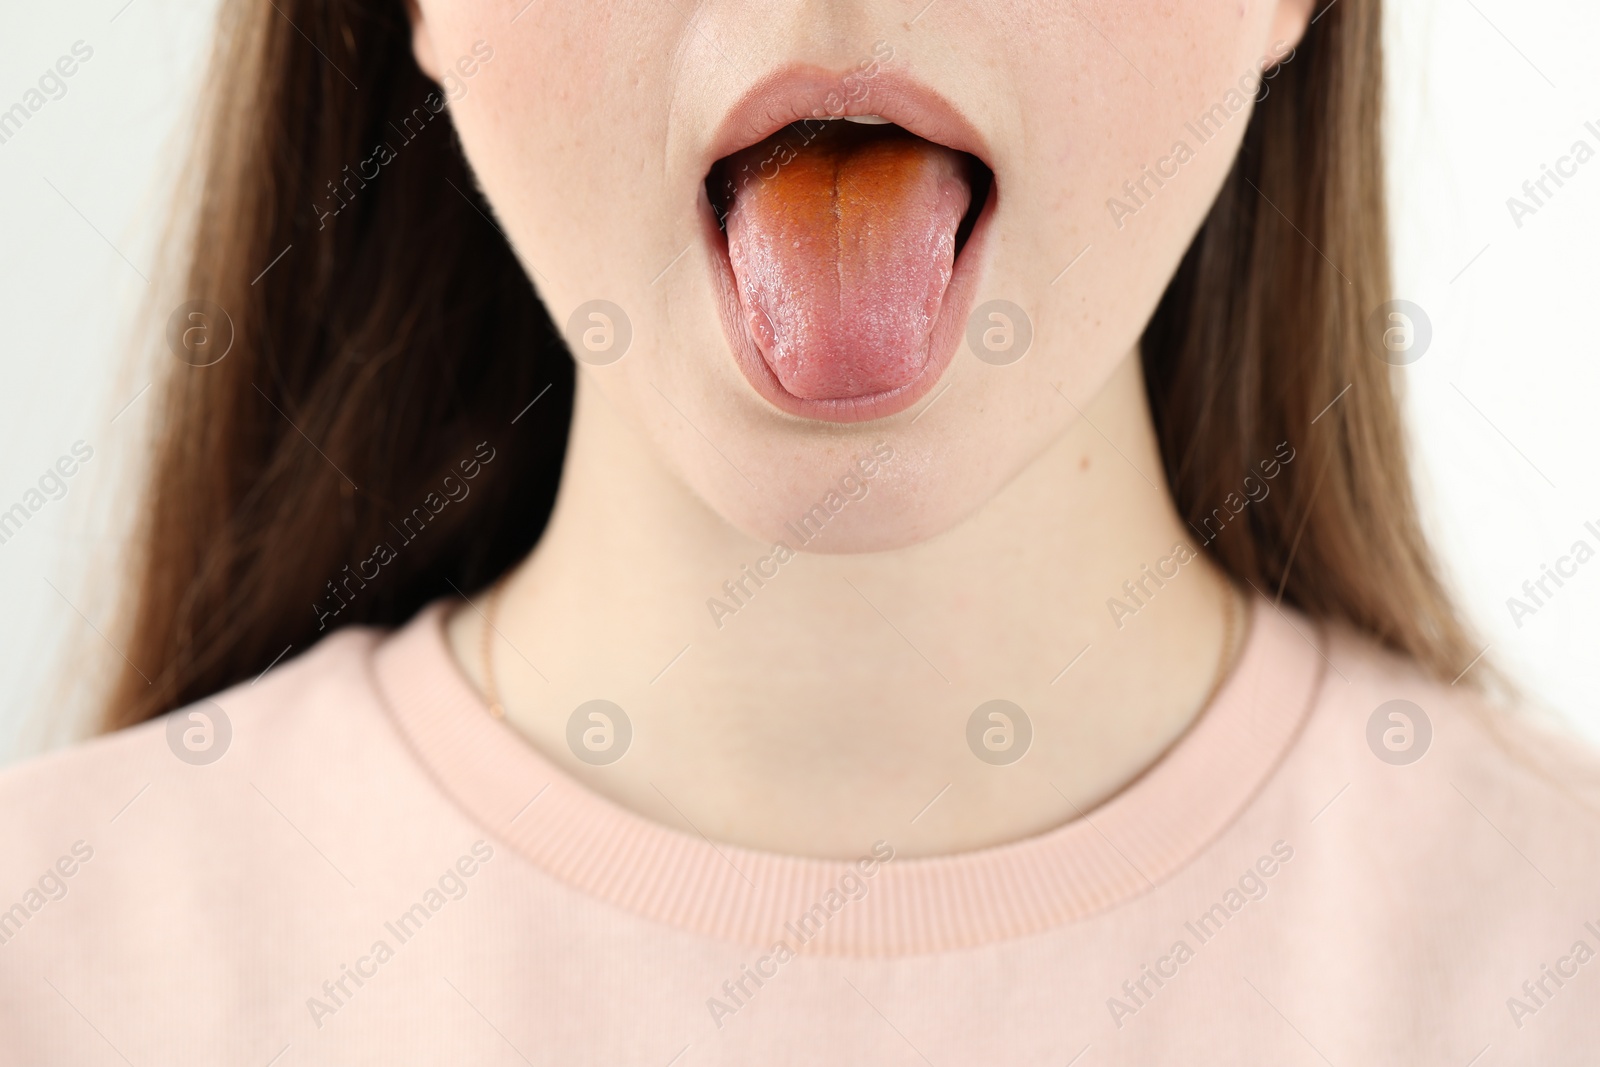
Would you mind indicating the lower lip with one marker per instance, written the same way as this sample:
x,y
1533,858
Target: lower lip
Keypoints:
x,y
948,330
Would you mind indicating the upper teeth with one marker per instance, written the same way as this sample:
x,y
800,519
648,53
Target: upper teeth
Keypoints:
x,y
870,120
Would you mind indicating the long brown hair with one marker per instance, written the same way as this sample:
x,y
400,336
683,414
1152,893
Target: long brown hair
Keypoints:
x,y
374,349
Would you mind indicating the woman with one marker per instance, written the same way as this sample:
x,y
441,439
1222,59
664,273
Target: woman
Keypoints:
x,y
844,532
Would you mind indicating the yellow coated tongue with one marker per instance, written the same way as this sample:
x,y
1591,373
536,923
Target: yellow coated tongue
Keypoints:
x,y
842,248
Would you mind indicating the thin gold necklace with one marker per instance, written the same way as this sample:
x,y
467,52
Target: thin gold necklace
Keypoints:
x,y
491,610
1225,660
491,692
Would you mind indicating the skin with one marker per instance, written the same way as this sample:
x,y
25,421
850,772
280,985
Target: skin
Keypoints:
x,y
830,710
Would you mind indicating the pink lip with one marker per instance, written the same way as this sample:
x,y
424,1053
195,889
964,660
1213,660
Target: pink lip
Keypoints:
x,y
800,92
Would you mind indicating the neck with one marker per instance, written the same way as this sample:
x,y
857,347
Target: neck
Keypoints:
x,y
816,704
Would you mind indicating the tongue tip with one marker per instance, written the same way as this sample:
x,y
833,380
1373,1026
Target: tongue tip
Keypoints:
x,y
879,342
844,373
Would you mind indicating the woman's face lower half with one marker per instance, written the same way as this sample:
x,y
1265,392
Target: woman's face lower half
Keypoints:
x,y
780,237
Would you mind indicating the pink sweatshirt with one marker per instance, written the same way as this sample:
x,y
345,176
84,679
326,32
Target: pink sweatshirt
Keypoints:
x,y
376,871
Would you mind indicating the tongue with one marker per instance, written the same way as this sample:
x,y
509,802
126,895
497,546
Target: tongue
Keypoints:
x,y
843,255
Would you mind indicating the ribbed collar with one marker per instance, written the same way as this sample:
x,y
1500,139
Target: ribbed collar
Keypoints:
x,y
1121,849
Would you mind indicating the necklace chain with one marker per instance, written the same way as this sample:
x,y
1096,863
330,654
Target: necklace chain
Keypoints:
x,y
1225,659
491,691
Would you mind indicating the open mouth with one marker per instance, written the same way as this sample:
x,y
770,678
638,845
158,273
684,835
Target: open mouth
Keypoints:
x,y
846,253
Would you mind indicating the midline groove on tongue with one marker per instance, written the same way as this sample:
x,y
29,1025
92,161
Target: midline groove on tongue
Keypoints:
x,y
842,258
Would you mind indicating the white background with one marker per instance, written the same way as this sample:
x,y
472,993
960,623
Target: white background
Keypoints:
x,y
1482,93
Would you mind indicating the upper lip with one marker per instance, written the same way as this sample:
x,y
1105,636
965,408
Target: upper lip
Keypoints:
x,y
801,91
